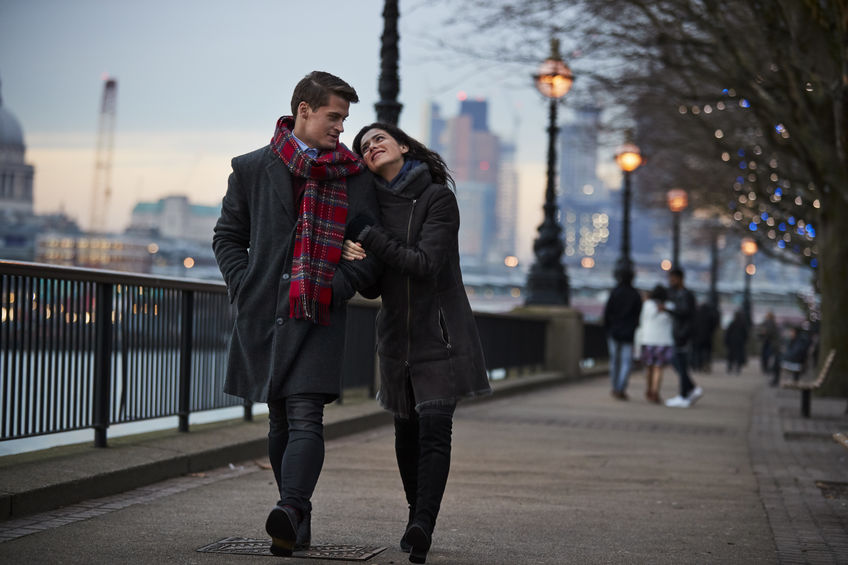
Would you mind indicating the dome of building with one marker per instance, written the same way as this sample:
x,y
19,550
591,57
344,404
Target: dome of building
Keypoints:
x,y
11,133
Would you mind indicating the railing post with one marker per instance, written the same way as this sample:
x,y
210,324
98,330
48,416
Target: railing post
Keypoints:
x,y
186,340
248,411
102,362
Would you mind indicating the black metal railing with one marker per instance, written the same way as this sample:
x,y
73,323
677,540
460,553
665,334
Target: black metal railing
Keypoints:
x,y
84,348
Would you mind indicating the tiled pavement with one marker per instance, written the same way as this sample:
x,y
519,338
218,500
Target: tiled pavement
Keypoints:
x,y
739,478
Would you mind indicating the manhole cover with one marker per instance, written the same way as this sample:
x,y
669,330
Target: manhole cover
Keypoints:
x,y
833,490
251,546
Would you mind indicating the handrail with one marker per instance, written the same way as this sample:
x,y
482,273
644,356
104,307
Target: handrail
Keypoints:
x,y
86,348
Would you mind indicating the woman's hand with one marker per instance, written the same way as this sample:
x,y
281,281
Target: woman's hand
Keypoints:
x,y
352,251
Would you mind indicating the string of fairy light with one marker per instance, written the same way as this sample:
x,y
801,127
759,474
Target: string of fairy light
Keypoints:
x,y
780,210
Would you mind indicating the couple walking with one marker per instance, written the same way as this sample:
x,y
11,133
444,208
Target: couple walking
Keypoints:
x,y
305,224
665,321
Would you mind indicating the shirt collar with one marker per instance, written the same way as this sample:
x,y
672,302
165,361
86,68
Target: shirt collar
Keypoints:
x,y
310,151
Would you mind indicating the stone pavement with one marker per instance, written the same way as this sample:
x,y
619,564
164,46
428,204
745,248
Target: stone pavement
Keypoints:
x,y
564,474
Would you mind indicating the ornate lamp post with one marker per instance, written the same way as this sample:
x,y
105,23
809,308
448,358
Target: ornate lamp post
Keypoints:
x,y
678,200
749,249
547,282
629,159
388,108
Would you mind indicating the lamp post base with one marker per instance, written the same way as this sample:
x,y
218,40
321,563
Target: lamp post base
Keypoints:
x,y
547,286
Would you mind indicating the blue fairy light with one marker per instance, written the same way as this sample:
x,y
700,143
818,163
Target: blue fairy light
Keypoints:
x,y
744,103
764,216
743,165
752,226
782,226
779,128
781,244
725,91
801,231
741,152
778,192
810,231
814,262
791,220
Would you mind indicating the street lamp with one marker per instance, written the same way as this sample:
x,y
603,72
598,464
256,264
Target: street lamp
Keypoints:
x,y
749,249
677,202
547,282
629,159
388,108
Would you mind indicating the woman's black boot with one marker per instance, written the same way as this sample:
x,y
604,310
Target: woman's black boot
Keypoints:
x,y
433,466
406,452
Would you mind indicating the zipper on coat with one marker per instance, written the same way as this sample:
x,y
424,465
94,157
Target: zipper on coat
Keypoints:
x,y
409,287
443,326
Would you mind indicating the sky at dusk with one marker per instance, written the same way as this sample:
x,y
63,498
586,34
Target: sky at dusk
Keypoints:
x,y
202,81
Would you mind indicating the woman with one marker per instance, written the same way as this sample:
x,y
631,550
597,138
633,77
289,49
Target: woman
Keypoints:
x,y
657,342
430,353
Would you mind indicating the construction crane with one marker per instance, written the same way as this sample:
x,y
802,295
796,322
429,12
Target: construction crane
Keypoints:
x,y
102,189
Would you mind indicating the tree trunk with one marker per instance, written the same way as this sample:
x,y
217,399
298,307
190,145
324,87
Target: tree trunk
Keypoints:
x,y
833,278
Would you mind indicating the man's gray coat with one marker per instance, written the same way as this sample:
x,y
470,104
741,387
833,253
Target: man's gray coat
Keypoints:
x,y
272,355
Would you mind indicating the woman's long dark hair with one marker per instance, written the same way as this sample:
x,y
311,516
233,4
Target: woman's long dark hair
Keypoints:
x,y
439,171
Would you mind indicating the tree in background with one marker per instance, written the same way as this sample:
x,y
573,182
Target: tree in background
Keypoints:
x,y
743,103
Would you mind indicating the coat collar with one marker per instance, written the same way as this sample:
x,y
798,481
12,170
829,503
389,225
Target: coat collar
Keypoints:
x,y
413,184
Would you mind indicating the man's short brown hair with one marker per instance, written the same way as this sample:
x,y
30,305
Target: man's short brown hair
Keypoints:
x,y
316,87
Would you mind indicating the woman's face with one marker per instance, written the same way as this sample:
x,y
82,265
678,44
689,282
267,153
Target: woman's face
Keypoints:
x,y
382,154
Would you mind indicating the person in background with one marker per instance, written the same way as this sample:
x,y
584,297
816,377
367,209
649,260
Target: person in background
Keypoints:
x,y
657,342
706,322
735,340
278,244
621,317
770,335
428,345
682,309
795,356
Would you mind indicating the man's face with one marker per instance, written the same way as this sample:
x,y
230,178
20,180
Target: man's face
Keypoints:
x,y
320,128
674,281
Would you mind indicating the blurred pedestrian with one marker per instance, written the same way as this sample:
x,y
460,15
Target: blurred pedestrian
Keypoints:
x,y
657,343
621,317
770,336
735,340
682,309
795,356
706,322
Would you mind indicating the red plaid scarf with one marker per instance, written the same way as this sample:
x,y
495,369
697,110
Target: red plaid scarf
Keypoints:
x,y
321,221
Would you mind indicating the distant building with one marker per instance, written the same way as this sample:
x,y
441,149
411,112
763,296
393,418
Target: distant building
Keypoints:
x,y
175,218
584,201
19,225
15,175
473,154
94,251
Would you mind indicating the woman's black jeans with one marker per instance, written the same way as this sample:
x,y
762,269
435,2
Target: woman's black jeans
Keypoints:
x,y
296,447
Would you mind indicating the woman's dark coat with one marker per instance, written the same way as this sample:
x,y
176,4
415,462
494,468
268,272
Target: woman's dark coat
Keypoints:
x,y
427,336
272,355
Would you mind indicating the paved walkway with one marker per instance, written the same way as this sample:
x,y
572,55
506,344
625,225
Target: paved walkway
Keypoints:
x,y
564,474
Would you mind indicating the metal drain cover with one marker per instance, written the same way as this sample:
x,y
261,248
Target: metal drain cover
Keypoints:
x,y
252,546
832,490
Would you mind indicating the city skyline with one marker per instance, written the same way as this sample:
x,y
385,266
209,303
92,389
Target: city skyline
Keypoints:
x,y
194,90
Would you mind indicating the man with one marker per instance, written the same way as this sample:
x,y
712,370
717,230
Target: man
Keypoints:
x,y
771,342
278,244
682,312
621,317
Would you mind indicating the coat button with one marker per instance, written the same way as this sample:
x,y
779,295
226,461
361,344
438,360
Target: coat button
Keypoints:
x,y
286,276
279,321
